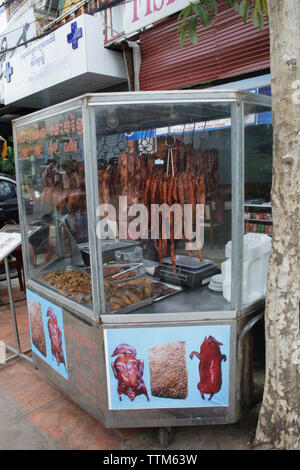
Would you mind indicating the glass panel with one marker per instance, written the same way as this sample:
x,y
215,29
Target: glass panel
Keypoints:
x,y
257,207
258,168
164,173
51,166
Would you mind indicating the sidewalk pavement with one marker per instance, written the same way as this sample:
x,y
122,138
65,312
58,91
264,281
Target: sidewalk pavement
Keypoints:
x,y
36,415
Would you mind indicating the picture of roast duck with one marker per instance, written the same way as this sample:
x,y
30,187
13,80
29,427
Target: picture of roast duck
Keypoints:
x,y
128,370
55,338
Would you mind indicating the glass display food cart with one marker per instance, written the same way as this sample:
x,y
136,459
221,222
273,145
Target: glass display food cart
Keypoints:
x,y
139,201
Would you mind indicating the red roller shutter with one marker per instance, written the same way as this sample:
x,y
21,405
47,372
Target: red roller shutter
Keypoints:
x,y
225,49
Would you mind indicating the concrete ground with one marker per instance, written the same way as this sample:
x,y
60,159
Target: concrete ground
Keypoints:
x,y
36,415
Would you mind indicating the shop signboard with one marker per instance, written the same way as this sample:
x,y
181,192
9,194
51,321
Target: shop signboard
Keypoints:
x,y
160,368
11,38
73,51
45,62
138,14
132,16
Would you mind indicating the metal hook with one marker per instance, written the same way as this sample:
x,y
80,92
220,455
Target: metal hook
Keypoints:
x,y
170,157
170,142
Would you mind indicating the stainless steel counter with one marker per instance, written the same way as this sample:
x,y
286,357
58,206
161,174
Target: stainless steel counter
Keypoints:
x,y
188,305
197,304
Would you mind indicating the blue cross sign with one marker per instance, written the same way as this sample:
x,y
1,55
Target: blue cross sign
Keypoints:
x,y
74,35
8,71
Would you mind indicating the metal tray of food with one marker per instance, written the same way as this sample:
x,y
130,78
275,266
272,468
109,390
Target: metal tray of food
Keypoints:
x,y
132,307
129,270
155,298
170,289
79,289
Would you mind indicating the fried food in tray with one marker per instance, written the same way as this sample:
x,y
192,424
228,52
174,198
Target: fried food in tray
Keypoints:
x,y
162,290
74,284
66,279
117,272
121,296
109,271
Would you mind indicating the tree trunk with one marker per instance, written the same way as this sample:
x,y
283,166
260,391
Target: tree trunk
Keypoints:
x,y
279,418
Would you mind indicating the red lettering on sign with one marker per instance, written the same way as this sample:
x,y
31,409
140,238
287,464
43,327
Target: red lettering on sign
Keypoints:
x,y
70,146
156,8
135,7
148,8
53,148
43,133
37,151
151,7
79,126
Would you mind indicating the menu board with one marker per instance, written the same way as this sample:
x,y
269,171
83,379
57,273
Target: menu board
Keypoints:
x,y
8,243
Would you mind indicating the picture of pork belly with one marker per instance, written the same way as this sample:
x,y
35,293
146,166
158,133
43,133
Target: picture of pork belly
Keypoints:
x,y
168,371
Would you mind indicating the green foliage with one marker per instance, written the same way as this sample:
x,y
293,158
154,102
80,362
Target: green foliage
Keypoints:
x,y
7,165
206,10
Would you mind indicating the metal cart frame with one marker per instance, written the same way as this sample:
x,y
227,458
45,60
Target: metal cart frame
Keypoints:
x,y
92,324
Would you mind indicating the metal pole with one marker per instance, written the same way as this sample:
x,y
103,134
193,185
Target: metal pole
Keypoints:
x,y
92,197
12,307
246,329
237,216
15,354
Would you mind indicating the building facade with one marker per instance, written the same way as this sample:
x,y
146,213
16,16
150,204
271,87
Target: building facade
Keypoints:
x,y
55,50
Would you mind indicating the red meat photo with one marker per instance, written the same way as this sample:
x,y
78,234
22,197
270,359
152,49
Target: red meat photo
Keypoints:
x,y
55,337
210,358
128,370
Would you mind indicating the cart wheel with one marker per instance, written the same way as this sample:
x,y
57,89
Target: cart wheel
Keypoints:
x,y
165,436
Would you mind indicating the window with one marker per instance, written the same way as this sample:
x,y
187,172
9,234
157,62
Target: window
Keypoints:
x,y
7,191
